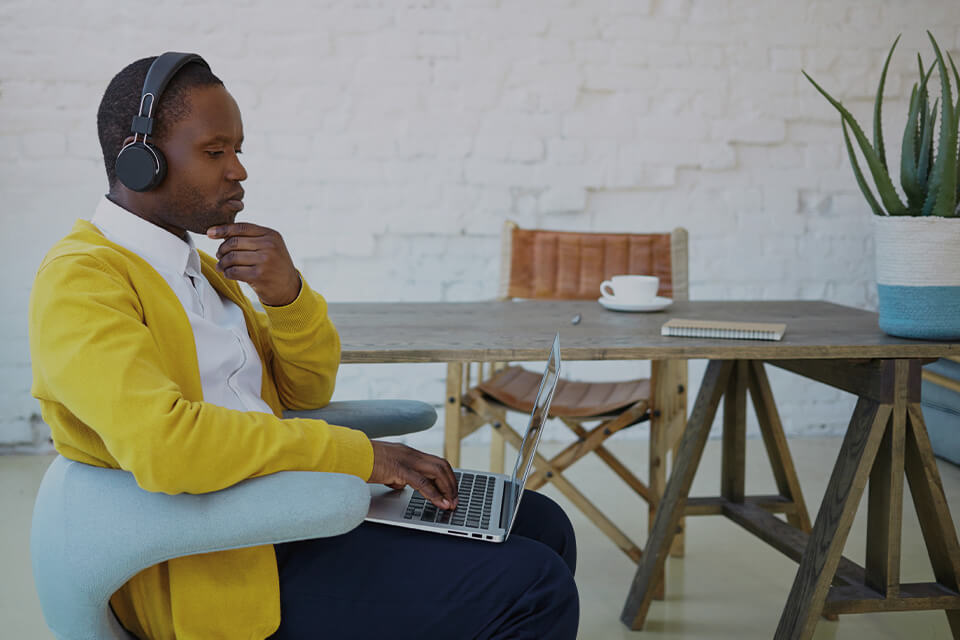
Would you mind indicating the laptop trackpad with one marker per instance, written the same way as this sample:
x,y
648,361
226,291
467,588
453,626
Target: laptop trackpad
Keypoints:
x,y
387,502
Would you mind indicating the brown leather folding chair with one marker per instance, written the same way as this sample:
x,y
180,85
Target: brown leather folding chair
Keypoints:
x,y
561,265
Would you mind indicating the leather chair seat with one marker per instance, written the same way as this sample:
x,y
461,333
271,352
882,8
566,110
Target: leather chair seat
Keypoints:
x,y
516,388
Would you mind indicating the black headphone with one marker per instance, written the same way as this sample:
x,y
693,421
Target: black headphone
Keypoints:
x,y
141,166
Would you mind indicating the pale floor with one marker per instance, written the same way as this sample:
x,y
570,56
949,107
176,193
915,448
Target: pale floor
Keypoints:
x,y
729,585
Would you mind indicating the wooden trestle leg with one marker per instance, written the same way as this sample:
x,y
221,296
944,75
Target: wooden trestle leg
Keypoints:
x,y
886,439
730,380
671,507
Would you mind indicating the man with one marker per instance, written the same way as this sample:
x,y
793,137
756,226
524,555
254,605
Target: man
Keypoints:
x,y
147,357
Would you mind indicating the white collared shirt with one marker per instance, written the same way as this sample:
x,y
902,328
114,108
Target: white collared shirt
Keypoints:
x,y
230,369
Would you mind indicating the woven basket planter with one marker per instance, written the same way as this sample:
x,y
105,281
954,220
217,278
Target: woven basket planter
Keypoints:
x,y
918,276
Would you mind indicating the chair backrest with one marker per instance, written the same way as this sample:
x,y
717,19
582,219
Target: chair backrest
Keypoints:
x,y
569,265
94,528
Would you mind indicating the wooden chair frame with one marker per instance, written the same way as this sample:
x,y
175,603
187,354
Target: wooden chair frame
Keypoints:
x,y
467,409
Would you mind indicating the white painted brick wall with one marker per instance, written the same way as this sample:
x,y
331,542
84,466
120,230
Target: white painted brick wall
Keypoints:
x,y
390,140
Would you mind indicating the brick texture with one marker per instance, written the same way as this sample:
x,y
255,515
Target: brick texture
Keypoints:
x,y
389,141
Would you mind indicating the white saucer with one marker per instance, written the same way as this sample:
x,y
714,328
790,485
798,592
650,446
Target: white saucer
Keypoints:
x,y
657,304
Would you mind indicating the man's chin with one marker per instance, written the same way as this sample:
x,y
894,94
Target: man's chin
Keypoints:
x,y
215,221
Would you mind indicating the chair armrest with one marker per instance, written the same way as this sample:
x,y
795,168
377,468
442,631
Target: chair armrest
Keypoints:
x,y
376,418
94,528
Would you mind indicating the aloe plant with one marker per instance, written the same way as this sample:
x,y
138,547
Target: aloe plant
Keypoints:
x,y
930,177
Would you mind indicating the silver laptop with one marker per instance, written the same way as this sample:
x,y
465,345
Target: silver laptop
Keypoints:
x,y
488,501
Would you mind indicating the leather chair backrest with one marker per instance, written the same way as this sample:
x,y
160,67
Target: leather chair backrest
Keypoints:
x,y
567,265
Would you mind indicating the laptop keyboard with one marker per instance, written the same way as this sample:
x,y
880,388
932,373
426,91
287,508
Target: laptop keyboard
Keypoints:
x,y
473,510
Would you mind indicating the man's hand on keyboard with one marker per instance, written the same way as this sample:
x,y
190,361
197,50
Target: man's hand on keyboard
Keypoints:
x,y
397,465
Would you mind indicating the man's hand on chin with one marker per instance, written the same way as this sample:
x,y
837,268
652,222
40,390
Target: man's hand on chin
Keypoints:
x,y
258,256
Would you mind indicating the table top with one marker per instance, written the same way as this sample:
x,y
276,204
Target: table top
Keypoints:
x,y
524,330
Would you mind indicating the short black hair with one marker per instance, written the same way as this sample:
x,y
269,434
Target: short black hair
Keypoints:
x,y
121,101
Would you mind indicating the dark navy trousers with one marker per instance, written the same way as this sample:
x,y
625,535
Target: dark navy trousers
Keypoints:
x,y
379,581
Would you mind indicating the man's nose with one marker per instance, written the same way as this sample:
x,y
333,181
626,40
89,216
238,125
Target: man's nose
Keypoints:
x,y
237,171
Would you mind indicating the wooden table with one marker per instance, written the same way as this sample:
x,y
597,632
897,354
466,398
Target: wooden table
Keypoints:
x,y
839,346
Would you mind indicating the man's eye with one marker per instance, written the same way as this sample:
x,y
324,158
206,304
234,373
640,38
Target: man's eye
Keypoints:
x,y
214,154
238,151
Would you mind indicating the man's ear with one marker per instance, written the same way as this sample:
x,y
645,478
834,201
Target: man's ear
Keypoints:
x,y
127,141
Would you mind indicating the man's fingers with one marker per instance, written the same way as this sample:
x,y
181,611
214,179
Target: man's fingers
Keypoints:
x,y
237,229
245,266
442,475
439,472
430,475
429,490
244,243
243,273
240,259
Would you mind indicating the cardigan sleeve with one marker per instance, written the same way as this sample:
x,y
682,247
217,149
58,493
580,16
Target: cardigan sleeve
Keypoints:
x,y
303,349
94,354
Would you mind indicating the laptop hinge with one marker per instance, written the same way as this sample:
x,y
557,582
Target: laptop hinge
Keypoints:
x,y
506,505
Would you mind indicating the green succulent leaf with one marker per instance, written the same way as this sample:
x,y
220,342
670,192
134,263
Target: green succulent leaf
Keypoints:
x,y
888,195
877,107
941,196
927,126
957,158
910,153
926,148
861,181
924,95
929,169
956,77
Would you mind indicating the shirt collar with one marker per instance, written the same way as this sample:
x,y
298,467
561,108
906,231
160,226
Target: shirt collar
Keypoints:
x,y
163,250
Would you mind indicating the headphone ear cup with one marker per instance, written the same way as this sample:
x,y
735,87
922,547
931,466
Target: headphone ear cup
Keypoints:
x,y
140,166
161,166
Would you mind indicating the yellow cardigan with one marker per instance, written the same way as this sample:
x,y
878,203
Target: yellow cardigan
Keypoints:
x,y
115,371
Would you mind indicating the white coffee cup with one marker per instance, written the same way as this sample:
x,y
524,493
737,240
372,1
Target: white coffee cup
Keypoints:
x,y
631,289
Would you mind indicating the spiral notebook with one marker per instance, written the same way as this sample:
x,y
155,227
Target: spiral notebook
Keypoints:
x,y
678,327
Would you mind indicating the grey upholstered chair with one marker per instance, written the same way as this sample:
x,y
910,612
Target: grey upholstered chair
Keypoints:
x,y
94,528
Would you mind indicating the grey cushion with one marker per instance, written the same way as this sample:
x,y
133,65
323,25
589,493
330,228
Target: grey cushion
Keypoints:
x,y
94,528
376,418
941,412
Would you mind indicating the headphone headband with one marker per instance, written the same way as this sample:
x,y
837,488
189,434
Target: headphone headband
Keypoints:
x,y
140,166
158,77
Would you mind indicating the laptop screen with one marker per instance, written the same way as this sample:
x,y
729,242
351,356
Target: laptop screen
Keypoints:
x,y
538,418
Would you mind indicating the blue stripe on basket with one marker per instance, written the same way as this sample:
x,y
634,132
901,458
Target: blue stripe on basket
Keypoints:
x,y
920,312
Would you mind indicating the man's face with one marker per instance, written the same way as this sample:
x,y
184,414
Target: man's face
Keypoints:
x,y
202,187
